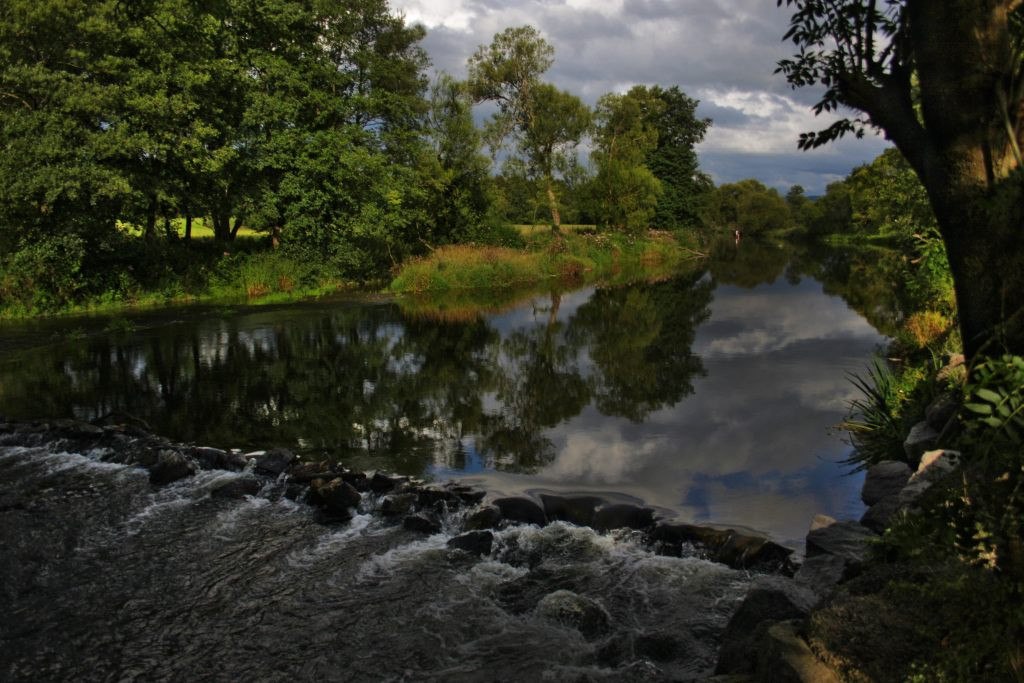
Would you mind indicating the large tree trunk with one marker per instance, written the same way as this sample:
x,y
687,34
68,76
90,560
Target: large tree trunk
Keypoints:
x,y
150,233
556,218
221,226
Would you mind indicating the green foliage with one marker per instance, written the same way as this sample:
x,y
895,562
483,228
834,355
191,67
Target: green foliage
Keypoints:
x,y
748,206
875,425
626,190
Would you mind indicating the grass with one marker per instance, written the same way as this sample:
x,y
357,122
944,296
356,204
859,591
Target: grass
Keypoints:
x,y
576,257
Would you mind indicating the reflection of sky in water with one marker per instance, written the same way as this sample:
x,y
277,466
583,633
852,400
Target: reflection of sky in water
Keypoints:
x,y
753,445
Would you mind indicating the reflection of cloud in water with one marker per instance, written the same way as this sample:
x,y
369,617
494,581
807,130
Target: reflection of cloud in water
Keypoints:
x,y
600,456
773,318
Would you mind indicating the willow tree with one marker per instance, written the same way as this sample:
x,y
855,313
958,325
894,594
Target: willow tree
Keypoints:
x,y
544,123
944,81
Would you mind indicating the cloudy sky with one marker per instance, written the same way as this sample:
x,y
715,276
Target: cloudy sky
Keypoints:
x,y
721,52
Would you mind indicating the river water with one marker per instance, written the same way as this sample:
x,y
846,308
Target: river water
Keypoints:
x,y
711,395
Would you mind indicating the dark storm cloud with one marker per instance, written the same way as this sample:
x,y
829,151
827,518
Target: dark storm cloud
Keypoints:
x,y
722,52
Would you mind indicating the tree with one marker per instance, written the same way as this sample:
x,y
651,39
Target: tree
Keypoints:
x,y
748,206
944,81
674,160
545,123
627,192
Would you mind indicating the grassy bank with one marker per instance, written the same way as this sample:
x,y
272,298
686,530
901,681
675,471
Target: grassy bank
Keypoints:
x,y
576,257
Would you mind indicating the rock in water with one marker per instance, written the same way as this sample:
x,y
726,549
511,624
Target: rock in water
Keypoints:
x,y
623,515
275,461
585,615
578,510
422,522
519,509
475,542
236,487
170,466
848,540
335,496
487,517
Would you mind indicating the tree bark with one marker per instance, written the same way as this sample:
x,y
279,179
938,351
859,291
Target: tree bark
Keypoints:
x,y
221,226
556,218
188,228
150,233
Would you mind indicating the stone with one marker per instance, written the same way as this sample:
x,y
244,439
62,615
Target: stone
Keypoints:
x,y
921,438
623,515
382,483
783,656
935,465
487,517
884,479
880,516
306,472
467,494
170,466
661,646
674,535
273,462
438,497
941,410
397,504
956,367
422,522
357,480
742,551
519,509
578,510
474,542
848,540
335,496
236,487
584,614
217,459
769,600
821,573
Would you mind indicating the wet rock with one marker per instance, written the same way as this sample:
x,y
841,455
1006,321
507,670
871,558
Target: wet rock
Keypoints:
x,y
623,515
357,480
578,510
397,504
742,551
295,491
336,496
306,472
848,540
439,498
821,573
217,459
487,517
784,656
475,542
880,516
382,483
584,614
519,509
170,466
884,479
422,522
770,599
941,410
272,462
521,595
662,647
236,487
922,438
674,535
467,494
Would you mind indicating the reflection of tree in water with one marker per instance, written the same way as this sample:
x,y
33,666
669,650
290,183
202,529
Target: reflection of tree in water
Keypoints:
x,y
379,390
748,264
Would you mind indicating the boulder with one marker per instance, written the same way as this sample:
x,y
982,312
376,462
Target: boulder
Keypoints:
x,y
880,516
487,517
272,462
382,483
770,599
305,472
170,466
357,480
216,459
423,522
474,542
336,496
439,497
623,515
883,479
848,540
783,656
821,573
236,487
397,504
578,510
584,614
519,509
674,535
742,551
922,438
941,410
935,465
662,646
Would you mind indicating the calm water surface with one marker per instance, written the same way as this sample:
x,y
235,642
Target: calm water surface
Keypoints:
x,y
712,395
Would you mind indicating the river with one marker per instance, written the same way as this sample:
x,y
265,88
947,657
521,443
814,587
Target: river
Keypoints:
x,y
711,396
